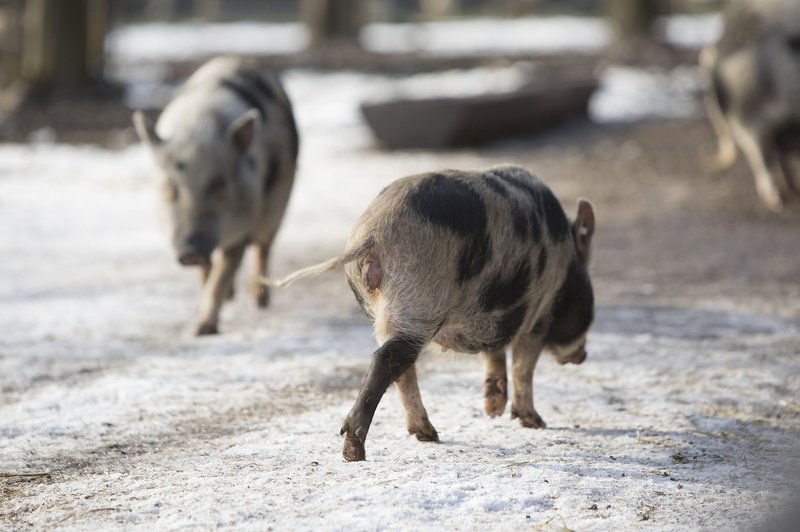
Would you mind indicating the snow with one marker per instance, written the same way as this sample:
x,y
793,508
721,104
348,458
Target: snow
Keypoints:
x,y
160,41
140,43
489,36
681,418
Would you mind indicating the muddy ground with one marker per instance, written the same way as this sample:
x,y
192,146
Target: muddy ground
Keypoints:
x,y
686,414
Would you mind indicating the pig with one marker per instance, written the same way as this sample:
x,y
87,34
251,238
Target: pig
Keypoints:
x,y
226,147
473,261
754,97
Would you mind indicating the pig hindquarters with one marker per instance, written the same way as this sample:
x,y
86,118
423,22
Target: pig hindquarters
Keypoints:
x,y
474,262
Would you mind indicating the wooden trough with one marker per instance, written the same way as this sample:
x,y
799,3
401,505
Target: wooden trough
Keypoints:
x,y
446,122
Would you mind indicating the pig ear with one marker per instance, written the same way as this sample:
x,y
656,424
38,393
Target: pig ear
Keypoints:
x,y
146,130
243,129
583,229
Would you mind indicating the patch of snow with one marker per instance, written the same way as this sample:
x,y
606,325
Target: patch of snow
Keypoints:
x,y
490,36
151,42
629,94
157,41
690,31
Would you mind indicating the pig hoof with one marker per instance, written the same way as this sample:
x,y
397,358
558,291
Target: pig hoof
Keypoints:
x,y
231,294
529,419
494,393
353,450
262,298
424,431
205,329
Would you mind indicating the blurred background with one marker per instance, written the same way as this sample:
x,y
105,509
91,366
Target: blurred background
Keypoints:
x,y
58,59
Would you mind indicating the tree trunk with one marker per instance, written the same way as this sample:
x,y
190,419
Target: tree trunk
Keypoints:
x,y
634,18
63,43
333,21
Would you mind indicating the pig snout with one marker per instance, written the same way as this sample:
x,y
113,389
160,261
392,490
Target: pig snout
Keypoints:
x,y
196,250
577,357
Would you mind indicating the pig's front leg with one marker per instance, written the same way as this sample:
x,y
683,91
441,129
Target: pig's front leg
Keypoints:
x,y
389,362
217,287
205,271
495,385
417,420
525,352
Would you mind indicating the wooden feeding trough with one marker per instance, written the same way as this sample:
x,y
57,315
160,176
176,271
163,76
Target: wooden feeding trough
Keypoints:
x,y
444,122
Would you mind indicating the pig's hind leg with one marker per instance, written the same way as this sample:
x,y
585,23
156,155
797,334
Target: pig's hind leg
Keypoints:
x,y
495,385
390,361
417,420
525,352
259,291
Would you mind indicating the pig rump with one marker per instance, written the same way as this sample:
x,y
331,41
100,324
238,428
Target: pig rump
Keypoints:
x,y
474,262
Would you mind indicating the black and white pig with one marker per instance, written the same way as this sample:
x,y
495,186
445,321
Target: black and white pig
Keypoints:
x,y
226,147
754,101
474,262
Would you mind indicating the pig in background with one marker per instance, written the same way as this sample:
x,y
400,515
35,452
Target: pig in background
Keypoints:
x,y
754,101
473,262
226,147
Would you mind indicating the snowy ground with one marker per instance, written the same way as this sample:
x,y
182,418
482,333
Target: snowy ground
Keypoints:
x,y
685,416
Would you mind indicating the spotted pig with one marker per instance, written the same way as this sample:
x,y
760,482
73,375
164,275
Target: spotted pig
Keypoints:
x,y
473,261
754,101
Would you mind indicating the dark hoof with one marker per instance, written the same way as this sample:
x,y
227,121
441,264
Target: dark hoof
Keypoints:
x,y
494,393
205,329
262,298
353,450
231,294
529,419
424,431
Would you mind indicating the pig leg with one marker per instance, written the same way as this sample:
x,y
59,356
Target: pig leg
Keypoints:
x,y
525,352
760,155
495,386
389,362
259,291
789,176
217,287
417,420
726,147
205,270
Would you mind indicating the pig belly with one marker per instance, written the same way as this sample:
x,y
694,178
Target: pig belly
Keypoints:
x,y
471,335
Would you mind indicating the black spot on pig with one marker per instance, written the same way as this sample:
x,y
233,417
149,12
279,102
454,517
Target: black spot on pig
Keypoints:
x,y
502,293
541,262
399,352
539,329
496,185
246,94
475,254
449,203
254,79
273,172
509,324
793,42
573,310
532,196
557,223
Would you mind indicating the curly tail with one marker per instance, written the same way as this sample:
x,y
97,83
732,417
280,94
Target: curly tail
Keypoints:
x,y
311,271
